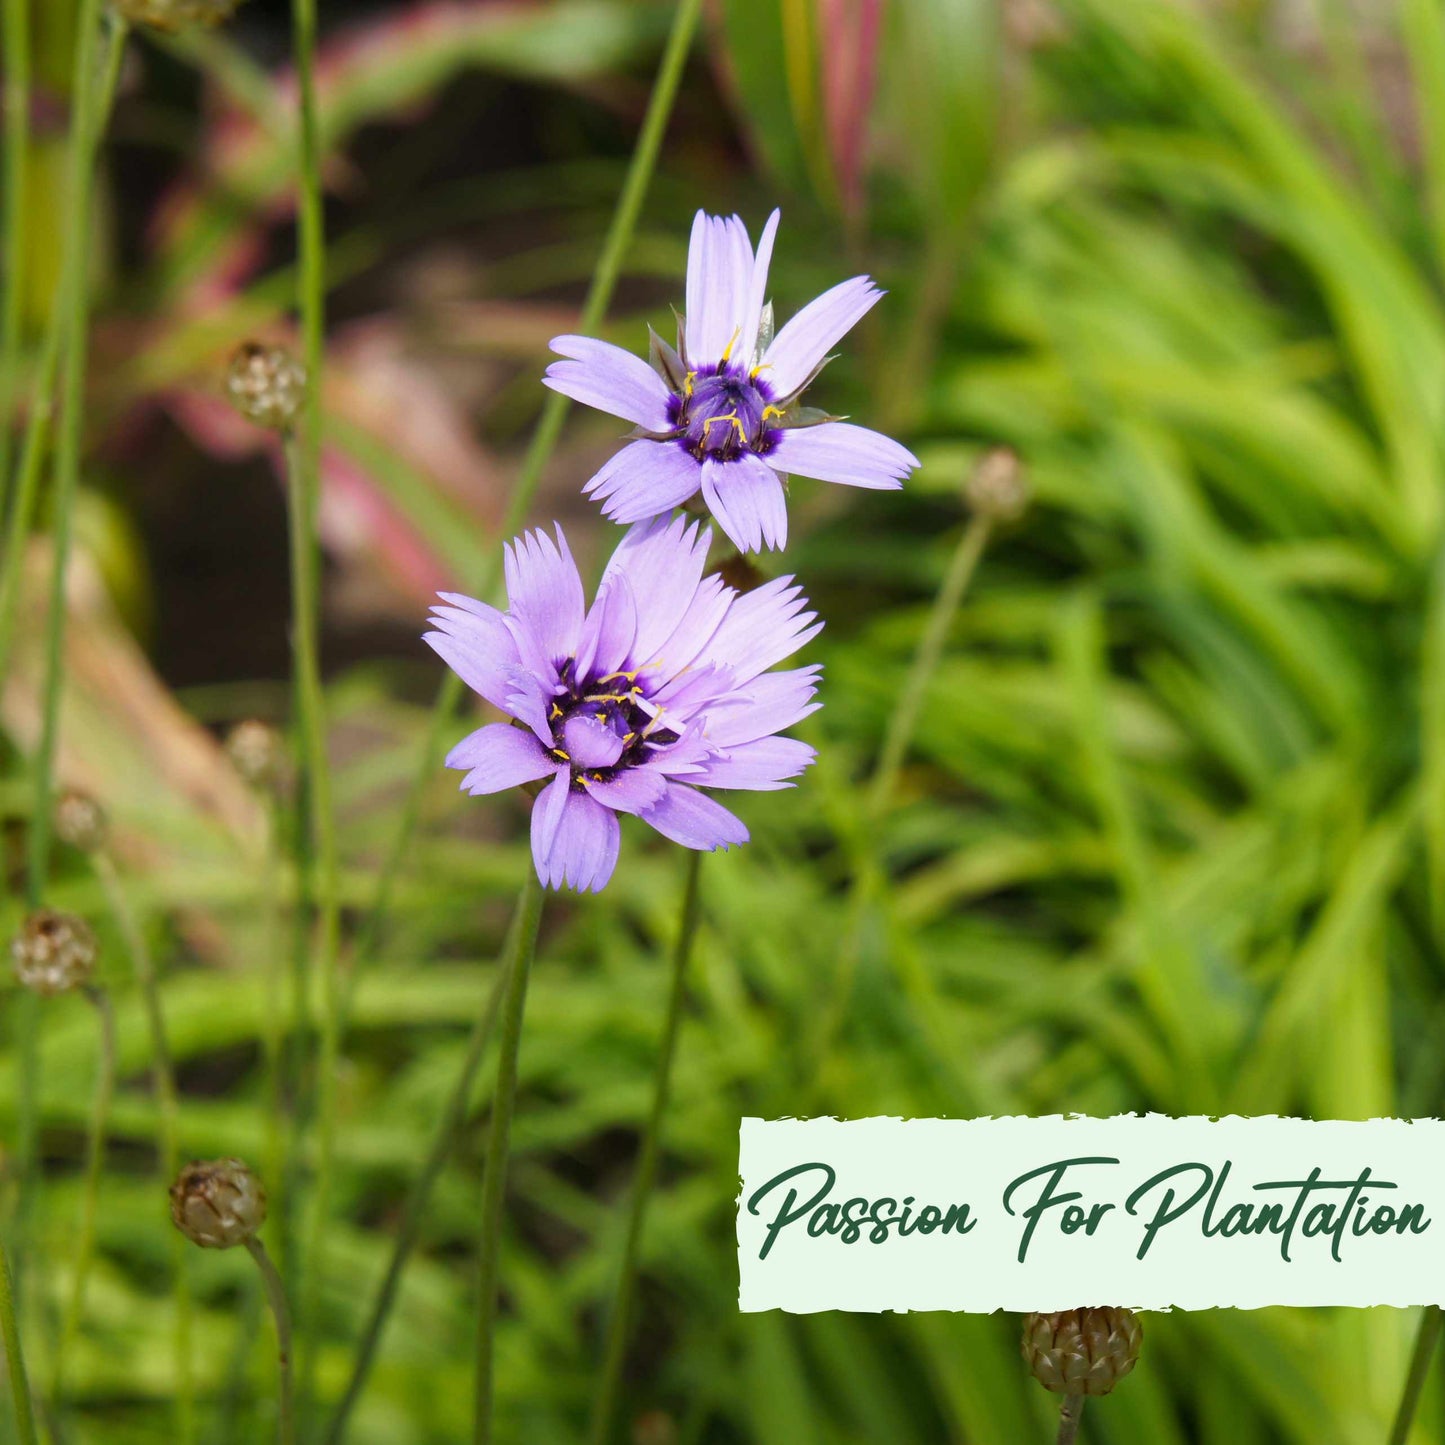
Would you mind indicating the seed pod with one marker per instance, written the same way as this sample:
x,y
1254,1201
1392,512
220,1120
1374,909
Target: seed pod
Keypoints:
x,y
80,821
998,488
1082,1352
218,1203
53,952
256,750
175,14
267,385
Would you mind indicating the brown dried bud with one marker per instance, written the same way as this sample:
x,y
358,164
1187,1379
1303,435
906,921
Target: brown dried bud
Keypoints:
x,y
218,1203
1082,1352
998,487
257,752
53,952
739,573
175,14
267,385
656,1427
80,821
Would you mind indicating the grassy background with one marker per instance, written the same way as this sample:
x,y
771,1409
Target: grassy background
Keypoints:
x,y
1172,833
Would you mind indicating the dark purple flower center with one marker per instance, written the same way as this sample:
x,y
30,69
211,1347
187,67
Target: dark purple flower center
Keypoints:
x,y
600,727
723,413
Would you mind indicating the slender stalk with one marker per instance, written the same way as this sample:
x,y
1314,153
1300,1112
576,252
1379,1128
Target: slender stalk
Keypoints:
x,y
168,1109
615,1355
42,401
539,451
74,314
1426,1341
449,1127
494,1183
15,1358
273,1034
1070,1414
15,20
276,1298
902,725
304,486
90,1200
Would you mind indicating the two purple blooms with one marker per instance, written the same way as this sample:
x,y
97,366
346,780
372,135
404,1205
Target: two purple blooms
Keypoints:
x,y
663,686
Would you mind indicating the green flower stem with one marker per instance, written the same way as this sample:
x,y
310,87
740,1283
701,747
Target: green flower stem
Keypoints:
x,y
15,20
15,1358
539,451
84,1252
409,1230
42,402
494,1183
74,315
304,487
163,1077
274,1026
276,1298
902,725
1426,1341
1070,1413
619,1320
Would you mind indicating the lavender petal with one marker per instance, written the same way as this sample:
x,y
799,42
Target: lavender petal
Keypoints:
x,y
688,817
606,377
498,757
633,790
803,344
838,451
761,766
583,849
544,593
746,497
719,276
473,640
590,743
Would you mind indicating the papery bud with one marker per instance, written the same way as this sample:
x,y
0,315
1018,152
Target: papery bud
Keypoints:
x,y
218,1203
1082,1352
175,14
53,952
267,385
998,488
80,821
739,573
656,1427
257,752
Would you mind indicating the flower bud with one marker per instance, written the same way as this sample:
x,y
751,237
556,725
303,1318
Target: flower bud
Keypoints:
x,y
175,14
218,1204
267,385
1082,1352
998,488
257,752
53,952
80,821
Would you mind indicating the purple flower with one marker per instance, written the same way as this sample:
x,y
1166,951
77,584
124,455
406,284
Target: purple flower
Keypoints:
x,y
721,412
660,689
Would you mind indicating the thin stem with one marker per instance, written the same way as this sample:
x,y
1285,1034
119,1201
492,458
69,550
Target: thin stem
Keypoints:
x,y
168,1109
1070,1414
450,1126
15,19
74,312
273,1036
42,400
276,1298
15,1358
304,486
539,451
615,1355
1426,1340
494,1183
94,1167
902,725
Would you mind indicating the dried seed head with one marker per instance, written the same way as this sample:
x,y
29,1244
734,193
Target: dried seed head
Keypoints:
x,y
218,1203
53,952
256,750
175,14
998,487
80,821
1082,1352
739,573
266,384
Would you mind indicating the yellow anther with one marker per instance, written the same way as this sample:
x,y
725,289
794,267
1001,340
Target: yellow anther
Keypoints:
x,y
687,383
560,753
732,341
772,411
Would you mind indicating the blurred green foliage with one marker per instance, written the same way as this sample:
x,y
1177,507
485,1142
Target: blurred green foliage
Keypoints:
x,y
1172,835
